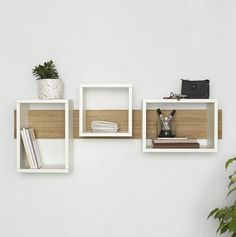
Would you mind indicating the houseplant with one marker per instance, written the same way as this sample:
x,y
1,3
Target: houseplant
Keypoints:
x,y
49,85
227,215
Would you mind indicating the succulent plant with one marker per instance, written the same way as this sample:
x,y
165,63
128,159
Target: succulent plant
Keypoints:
x,y
45,71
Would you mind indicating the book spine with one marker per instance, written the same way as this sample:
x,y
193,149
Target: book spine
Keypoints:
x,y
35,147
31,148
176,145
27,150
174,142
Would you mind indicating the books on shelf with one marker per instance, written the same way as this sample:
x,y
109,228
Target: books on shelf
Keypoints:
x,y
175,143
31,148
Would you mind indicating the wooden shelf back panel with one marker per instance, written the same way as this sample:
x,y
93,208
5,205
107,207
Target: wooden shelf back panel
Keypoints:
x,y
220,124
49,124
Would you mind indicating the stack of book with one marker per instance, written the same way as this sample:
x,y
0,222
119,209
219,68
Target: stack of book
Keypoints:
x,y
175,143
31,148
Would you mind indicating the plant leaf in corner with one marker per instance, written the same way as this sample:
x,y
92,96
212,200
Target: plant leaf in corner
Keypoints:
x,y
233,180
213,212
228,162
224,228
221,225
231,190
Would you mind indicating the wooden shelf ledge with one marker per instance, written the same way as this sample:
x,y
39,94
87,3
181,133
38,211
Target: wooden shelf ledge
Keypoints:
x,y
49,124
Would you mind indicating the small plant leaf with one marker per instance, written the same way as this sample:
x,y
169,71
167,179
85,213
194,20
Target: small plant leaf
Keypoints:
x,y
232,226
228,162
220,227
232,175
213,212
233,180
224,228
220,214
231,190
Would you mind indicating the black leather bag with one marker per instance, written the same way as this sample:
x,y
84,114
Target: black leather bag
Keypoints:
x,y
195,89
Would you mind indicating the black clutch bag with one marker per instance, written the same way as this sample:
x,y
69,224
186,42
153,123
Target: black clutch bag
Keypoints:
x,y
195,89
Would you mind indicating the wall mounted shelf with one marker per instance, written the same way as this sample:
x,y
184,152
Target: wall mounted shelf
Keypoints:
x,y
25,117
56,119
49,124
202,122
90,108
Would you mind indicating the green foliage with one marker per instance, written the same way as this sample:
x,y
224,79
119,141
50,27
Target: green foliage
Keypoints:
x,y
227,215
230,161
45,71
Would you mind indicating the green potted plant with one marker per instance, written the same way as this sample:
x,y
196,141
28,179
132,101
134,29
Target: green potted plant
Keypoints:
x,y
49,85
226,216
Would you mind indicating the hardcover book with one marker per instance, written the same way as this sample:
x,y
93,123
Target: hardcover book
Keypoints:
x,y
175,143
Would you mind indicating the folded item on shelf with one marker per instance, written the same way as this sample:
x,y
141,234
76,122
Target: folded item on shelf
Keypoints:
x,y
161,140
104,126
190,145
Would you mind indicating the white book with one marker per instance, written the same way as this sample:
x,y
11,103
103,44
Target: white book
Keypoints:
x,y
35,148
174,140
27,149
32,154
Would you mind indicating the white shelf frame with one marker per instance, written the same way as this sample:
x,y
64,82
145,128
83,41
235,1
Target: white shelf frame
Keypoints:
x,y
212,108
82,111
22,121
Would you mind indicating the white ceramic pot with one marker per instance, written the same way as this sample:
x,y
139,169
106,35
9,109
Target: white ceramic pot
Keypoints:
x,y
50,89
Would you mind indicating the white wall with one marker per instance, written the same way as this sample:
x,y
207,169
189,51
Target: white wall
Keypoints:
x,y
115,189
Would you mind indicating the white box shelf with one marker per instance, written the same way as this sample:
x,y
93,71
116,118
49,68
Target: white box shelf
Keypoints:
x,y
51,165
119,92
210,105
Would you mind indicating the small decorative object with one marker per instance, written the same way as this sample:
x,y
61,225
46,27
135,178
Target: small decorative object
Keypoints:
x,y
50,87
175,96
195,89
166,125
104,126
227,215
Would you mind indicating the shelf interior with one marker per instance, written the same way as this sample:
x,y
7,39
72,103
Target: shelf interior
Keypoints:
x,y
198,120
114,101
51,158
50,124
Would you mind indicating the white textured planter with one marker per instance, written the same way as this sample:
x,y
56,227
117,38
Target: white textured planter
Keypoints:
x,y
50,89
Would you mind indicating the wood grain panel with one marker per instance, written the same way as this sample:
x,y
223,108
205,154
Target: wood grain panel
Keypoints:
x,y
220,124
50,123
47,123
